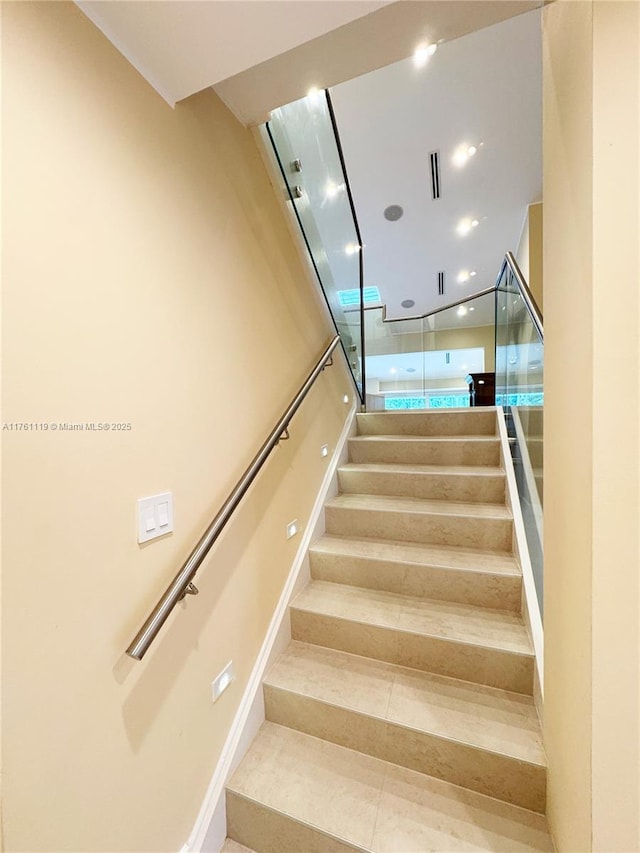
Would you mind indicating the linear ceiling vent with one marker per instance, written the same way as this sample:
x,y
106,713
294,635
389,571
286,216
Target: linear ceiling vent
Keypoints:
x,y
441,284
434,164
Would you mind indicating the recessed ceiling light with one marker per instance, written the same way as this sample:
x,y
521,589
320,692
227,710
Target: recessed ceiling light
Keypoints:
x,y
464,226
472,308
472,273
463,276
462,153
393,370
393,212
474,223
462,311
422,54
408,303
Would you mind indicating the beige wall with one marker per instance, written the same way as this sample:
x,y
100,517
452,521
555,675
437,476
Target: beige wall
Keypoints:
x,y
592,440
149,277
529,254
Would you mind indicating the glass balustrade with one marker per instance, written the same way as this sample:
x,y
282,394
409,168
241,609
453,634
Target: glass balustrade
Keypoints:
x,y
520,391
422,363
446,359
306,147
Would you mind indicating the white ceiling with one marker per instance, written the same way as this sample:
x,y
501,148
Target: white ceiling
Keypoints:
x,y
182,46
484,89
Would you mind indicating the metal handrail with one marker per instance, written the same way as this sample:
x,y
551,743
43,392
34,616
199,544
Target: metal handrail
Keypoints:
x,y
182,584
386,319
523,287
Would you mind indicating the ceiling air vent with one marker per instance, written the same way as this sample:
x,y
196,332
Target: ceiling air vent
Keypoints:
x,y
434,165
441,284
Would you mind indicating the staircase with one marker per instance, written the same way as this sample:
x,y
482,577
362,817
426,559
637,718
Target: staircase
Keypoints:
x,y
401,716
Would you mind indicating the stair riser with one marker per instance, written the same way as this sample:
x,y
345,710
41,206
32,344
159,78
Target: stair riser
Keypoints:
x,y
478,664
429,528
267,831
498,776
428,423
453,487
425,452
499,592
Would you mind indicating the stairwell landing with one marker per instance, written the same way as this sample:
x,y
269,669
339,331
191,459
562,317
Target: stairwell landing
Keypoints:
x,y
400,718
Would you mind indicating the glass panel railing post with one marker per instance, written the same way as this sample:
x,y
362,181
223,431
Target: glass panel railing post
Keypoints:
x,y
307,155
519,384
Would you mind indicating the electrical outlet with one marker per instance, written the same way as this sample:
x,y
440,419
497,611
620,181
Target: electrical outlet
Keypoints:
x,y
222,681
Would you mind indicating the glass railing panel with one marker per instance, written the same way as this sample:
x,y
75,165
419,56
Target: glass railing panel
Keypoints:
x,y
423,363
303,138
520,390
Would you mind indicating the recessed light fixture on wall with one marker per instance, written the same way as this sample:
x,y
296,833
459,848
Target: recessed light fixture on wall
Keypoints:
x,y
351,249
462,311
465,275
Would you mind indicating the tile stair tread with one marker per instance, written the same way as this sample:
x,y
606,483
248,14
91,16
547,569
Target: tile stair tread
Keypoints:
x,y
413,553
484,717
408,468
392,503
374,805
485,439
231,846
462,623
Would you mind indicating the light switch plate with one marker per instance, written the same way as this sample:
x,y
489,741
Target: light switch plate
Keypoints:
x,y
155,516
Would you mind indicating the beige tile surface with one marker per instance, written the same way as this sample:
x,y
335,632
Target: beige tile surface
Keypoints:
x,y
418,814
355,682
458,422
425,451
467,734
474,525
437,482
272,831
467,661
326,786
464,623
231,846
419,570
326,798
415,553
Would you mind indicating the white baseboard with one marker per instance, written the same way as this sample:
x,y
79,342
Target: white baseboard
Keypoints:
x,y
531,609
210,829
